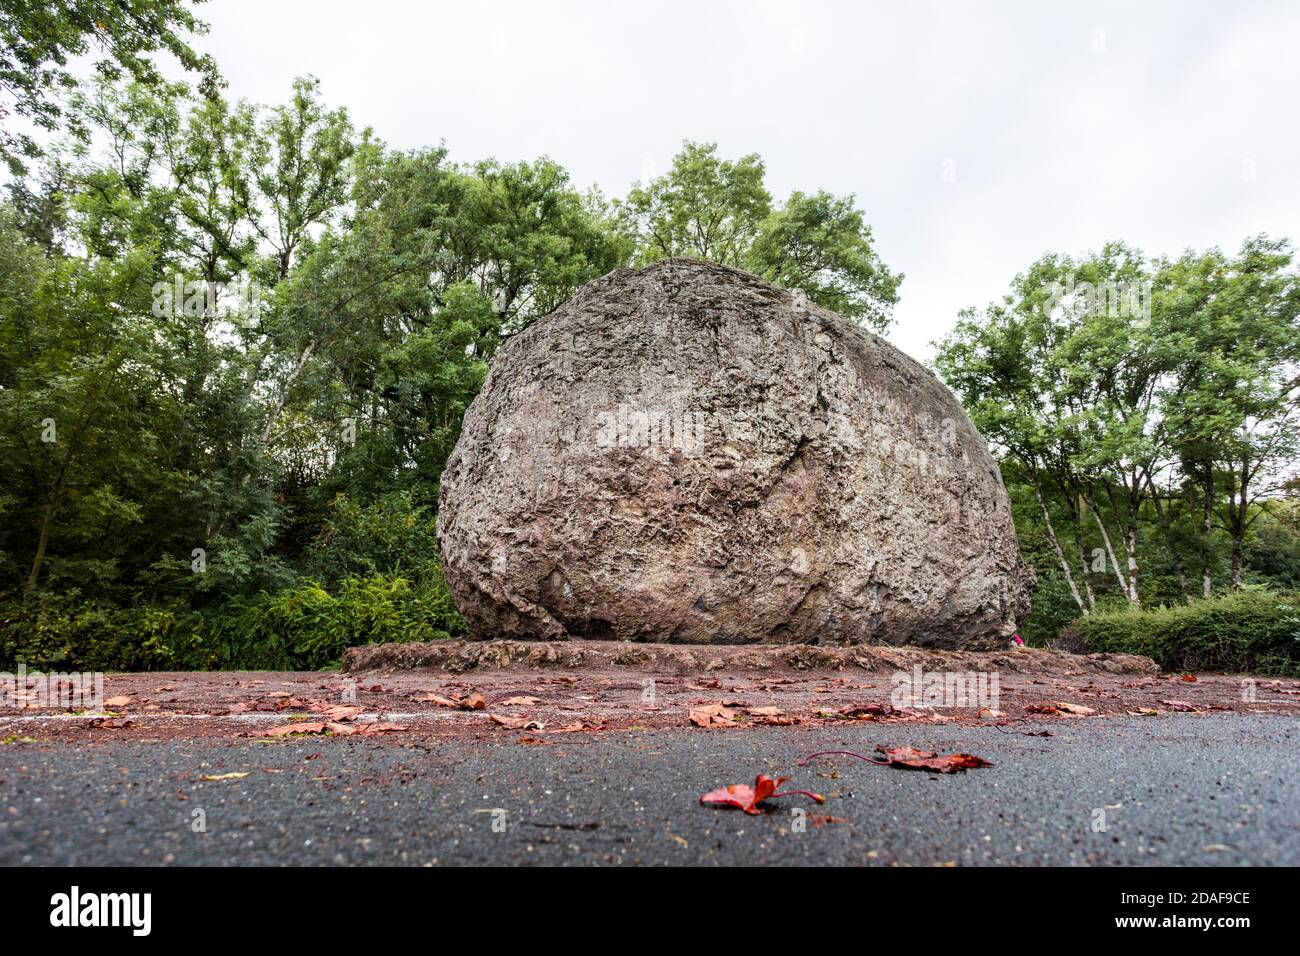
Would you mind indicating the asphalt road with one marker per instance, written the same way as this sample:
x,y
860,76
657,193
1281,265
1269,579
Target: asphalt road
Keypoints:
x,y
1217,789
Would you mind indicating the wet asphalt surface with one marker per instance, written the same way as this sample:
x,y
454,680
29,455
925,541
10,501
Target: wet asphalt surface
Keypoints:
x,y
1172,790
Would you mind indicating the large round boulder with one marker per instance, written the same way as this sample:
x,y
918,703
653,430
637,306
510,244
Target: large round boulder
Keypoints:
x,y
686,453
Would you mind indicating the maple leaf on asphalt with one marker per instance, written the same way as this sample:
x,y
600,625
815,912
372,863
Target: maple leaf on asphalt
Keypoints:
x,y
910,758
747,798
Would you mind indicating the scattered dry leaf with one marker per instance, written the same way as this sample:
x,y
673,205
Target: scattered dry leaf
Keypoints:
x,y
516,723
912,759
306,727
109,723
1075,710
713,715
474,701
747,798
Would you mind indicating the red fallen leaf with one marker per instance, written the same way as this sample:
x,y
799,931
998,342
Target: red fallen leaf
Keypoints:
x,y
1190,678
308,727
782,721
125,700
1040,709
747,798
338,712
374,727
713,715
278,693
867,711
1074,710
109,723
712,683
436,699
520,702
475,701
1024,733
580,725
819,820
515,723
1181,705
912,759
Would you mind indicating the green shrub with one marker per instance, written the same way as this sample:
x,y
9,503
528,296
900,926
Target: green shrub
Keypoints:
x,y
1256,631
302,628
308,628
51,631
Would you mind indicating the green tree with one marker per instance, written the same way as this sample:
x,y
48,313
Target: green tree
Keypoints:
x,y
716,209
38,39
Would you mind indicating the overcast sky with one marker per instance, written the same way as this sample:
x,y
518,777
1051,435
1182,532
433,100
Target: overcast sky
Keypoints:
x,y
976,136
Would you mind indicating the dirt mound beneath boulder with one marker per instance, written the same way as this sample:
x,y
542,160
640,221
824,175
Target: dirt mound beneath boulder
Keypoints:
x,y
458,657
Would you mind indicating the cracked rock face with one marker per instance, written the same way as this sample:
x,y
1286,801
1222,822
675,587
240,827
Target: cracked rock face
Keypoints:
x,y
685,453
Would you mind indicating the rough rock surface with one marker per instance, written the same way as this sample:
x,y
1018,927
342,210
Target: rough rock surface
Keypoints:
x,y
687,454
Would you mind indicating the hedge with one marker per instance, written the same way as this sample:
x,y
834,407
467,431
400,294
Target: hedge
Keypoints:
x,y
1254,631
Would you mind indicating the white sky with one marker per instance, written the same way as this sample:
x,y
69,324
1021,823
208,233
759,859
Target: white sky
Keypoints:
x,y
1168,125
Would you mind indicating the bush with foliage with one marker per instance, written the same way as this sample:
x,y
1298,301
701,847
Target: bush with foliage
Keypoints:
x,y
306,627
1256,631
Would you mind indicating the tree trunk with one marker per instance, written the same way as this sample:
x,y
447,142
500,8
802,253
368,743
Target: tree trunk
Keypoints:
x,y
1207,529
48,515
1060,554
283,398
1110,549
1076,512
1237,512
1130,550
1166,526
